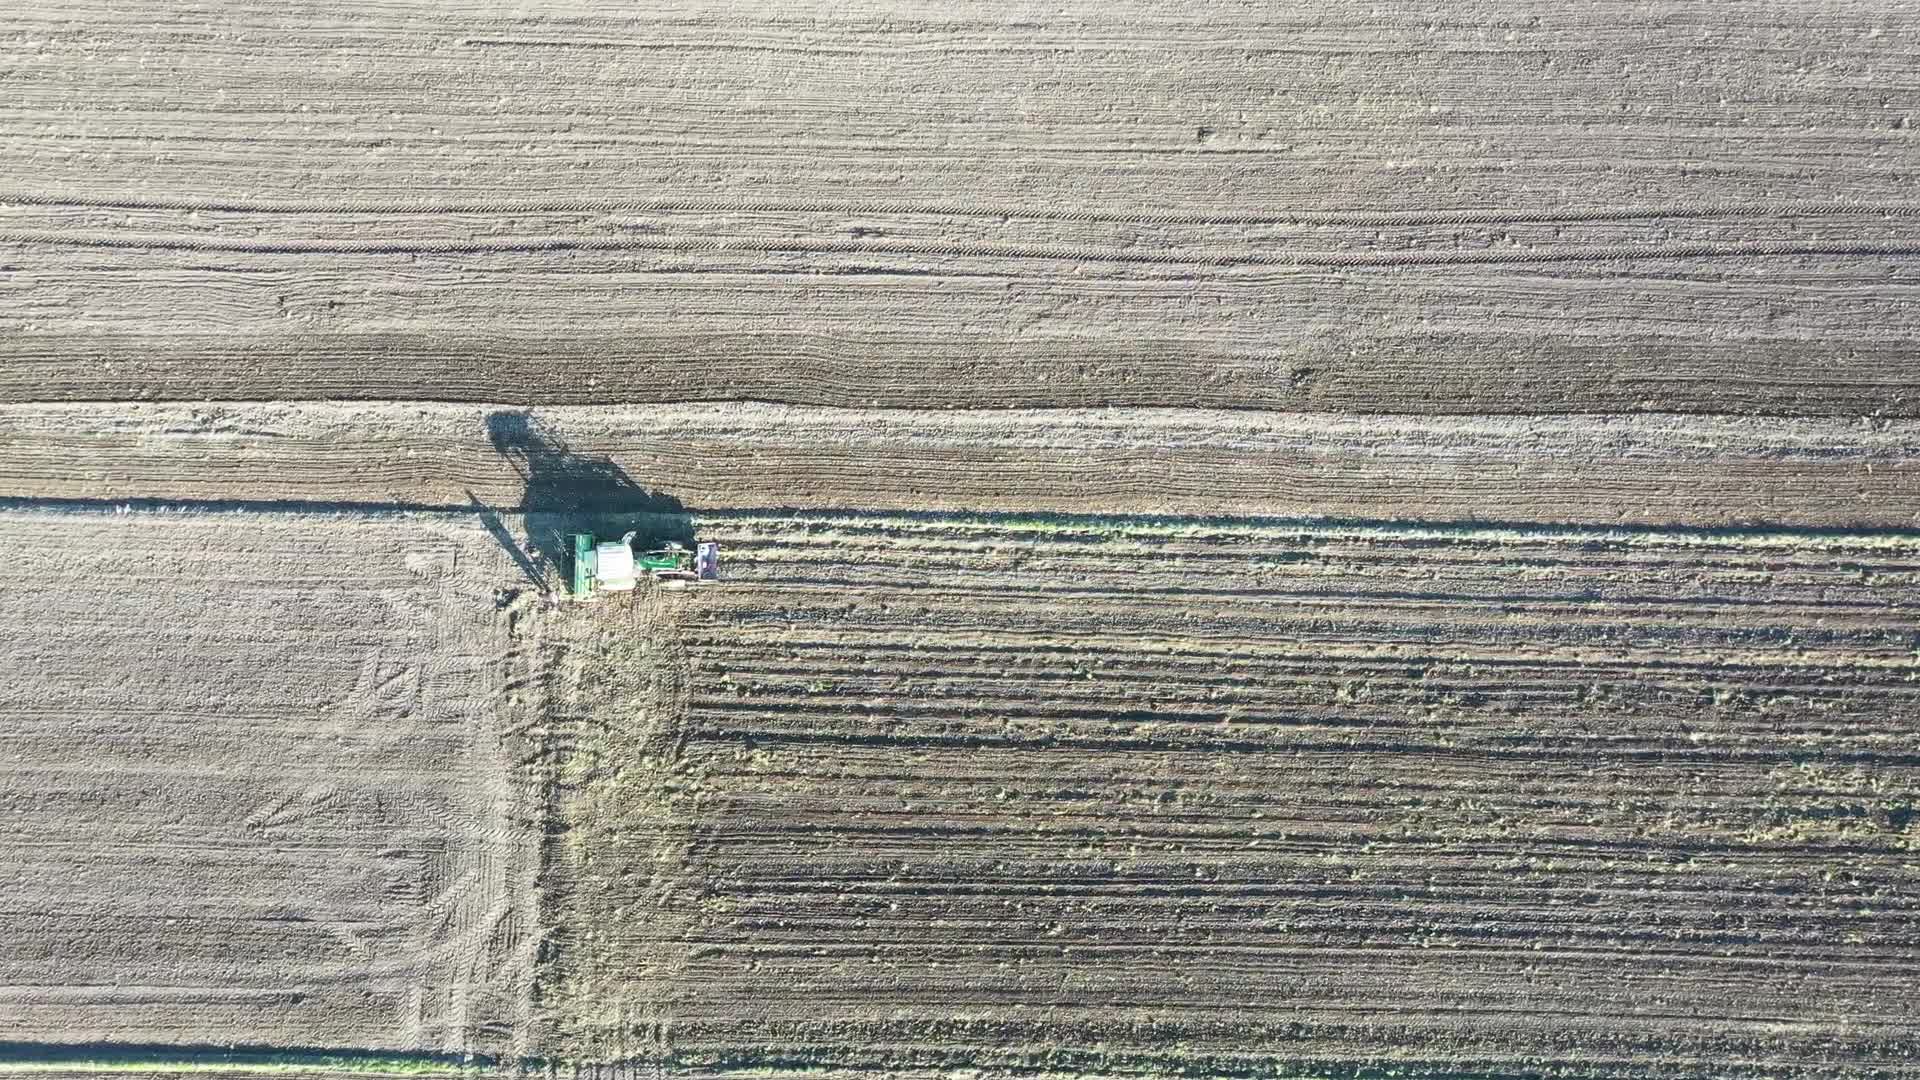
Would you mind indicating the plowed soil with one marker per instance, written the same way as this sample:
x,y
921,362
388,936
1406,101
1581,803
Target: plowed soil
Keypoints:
x,y
257,784
1333,539
1235,800
1439,206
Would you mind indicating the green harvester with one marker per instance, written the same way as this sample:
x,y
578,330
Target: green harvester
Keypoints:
x,y
610,566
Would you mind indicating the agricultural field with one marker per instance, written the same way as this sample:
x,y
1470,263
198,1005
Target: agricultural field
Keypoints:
x,y
1235,799
1333,540
258,784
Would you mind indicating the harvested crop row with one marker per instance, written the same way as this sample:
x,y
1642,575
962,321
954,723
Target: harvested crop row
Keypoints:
x,y
1656,470
1241,799
256,786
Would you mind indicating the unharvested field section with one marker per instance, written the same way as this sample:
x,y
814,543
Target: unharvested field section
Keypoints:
x,y
1238,799
256,784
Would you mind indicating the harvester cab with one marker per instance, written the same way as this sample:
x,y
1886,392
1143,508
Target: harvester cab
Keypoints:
x,y
673,565
605,566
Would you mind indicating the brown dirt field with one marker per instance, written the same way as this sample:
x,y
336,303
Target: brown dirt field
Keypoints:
x,y
1444,207
257,784
1337,539
1704,471
1233,800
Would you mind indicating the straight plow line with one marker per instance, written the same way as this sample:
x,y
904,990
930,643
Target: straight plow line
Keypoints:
x,y
1457,216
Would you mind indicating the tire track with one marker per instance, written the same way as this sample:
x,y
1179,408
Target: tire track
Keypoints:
x,y
234,816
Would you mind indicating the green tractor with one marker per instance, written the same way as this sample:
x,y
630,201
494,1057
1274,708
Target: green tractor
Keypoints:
x,y
609,566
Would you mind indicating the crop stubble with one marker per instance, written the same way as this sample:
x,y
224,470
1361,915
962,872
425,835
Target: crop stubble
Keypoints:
x,y
1237,798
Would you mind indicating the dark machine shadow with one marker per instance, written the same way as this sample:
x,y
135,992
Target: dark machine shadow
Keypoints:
x,y
566,492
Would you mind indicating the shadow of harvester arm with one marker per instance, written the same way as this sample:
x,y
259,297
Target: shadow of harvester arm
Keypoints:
x,y
504,538
564,492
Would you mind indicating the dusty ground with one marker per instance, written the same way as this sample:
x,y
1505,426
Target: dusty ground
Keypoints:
x,y
257,784
918,792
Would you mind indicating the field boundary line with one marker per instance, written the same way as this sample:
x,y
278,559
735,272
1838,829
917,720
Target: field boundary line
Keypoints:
x,y
1017,521
106,1057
